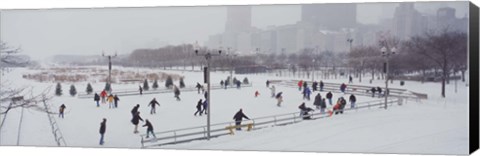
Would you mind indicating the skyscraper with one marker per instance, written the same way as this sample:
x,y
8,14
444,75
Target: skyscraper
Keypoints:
x,y
407,21
330,16
239,19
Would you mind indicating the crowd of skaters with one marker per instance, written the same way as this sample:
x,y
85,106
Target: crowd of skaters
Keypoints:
x,y
319,102
202,105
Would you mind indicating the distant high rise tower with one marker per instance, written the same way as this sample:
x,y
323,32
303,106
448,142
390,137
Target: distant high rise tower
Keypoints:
x,y
446,13
330,16
446,19
239,19
407,21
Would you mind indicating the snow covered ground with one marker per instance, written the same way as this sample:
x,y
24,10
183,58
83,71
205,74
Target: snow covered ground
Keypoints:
x,y
433,126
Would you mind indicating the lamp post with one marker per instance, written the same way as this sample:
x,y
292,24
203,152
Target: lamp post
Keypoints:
x,y
313,69
208,56
386,52
230,56
109,68
350,40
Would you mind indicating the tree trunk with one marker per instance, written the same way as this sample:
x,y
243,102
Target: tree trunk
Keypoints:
x,y
373,74
444,76
463,75
423,77
443,86
360,76
448,77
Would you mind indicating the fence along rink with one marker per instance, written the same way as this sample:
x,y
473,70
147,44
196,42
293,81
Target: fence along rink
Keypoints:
x,y
220,129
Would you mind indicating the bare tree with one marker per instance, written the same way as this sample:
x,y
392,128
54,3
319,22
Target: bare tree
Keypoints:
x,y
442,48
11,98
363,57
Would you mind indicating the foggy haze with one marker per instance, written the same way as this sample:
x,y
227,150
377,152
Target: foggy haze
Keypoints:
x,y
43,33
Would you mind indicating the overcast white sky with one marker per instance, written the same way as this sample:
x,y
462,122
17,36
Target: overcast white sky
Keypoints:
x,y
42,33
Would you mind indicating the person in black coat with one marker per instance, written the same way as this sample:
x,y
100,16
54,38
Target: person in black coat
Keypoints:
x,y
279,98
238,84
135,120
321,86
140,89
96,98
198,86
135,110
329,97
304,110
152,104
149,128
373,90
317,101
305,84
343,86
352,100
61,110
222,83
323,105
227,82
238,119
176,91
314,86
379,90
103,128
199,108
268,83
116,99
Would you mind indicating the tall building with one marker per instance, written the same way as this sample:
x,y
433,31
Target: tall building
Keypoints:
x,y
407,21
446,19
330,16
239,19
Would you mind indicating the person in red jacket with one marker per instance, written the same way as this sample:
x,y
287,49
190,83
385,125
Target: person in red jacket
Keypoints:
x,y
257,93
300,83
103,95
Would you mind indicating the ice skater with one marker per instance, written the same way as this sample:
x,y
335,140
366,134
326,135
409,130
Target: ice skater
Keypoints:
x,y
152,104
103,128
199,108
135,120
149,128
238,119
61,110
279,98
96,98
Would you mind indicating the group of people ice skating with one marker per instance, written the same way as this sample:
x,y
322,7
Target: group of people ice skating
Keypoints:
x,y
111,99
319,102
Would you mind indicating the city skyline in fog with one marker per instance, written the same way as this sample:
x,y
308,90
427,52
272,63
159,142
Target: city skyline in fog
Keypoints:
x,y
43,33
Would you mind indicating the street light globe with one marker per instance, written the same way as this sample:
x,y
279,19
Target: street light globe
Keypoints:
x,y
394,50
383,49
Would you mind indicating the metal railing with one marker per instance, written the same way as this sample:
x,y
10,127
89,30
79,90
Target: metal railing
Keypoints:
x,y
156,91
220,129
359,89
59,139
